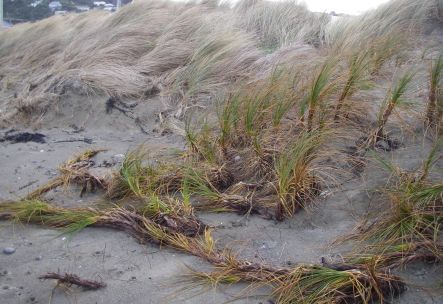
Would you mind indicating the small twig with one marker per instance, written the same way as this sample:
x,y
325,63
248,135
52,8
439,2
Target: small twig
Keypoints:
x,y
85,140
27,185
126,109
114,103
72,279
139,123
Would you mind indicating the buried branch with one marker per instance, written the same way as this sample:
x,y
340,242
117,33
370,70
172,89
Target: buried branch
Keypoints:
x,y
69,279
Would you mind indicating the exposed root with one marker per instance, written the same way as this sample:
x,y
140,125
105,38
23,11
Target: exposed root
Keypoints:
x,y
38,212
354,285
301,284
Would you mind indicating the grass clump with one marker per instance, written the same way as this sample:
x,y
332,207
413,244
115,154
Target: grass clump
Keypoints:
x,y
236,198
280,24
399,255
141,177
265,161
393,100
306,283
412,223
296,180
319,89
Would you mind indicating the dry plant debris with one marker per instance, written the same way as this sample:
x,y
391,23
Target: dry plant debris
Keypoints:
x,y
75,171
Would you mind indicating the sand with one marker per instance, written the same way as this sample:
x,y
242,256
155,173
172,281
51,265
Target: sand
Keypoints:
x,y
137,273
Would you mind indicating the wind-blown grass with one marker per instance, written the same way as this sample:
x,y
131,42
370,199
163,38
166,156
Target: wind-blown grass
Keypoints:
x,y
356,79
392,101
282,23
187,52
435,100
320,88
